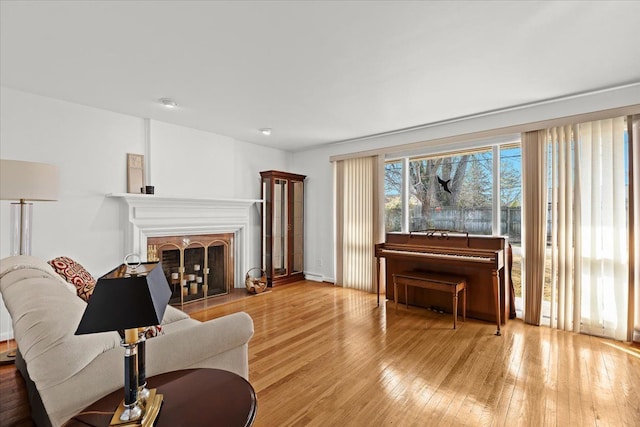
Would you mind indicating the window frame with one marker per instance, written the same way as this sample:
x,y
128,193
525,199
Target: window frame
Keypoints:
x,y
496,174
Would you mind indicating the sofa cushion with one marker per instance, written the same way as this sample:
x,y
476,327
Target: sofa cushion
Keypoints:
x,y
74,273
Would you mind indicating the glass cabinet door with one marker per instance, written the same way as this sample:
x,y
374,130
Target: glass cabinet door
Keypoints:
x,y
280,227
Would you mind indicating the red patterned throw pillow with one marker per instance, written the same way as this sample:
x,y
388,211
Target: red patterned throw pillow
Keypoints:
x,y
153,331
74,273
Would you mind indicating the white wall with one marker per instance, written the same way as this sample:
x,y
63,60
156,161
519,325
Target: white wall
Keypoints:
x,y
318,213
89,146
193,168
319,248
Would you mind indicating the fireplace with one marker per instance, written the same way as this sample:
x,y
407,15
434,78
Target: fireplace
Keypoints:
x,y
197,267
221,235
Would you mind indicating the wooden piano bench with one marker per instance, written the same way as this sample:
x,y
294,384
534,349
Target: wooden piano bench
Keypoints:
x,y
434,281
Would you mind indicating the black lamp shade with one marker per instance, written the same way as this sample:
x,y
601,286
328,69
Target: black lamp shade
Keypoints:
x,y
122,300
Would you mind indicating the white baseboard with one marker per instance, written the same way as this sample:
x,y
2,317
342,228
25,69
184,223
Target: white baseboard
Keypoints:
x,y
317,277
314,277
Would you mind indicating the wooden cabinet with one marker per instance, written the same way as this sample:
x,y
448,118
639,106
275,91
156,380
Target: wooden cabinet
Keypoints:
x,y
282,226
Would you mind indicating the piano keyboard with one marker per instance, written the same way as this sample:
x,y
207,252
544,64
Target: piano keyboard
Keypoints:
x,y
436,255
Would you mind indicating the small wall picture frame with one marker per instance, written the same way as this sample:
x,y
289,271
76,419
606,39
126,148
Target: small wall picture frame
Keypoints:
x,y
135,173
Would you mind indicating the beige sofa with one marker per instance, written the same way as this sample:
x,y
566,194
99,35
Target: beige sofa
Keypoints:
x,y
72,371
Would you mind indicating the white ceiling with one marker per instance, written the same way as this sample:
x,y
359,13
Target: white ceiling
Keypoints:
x,y
316,72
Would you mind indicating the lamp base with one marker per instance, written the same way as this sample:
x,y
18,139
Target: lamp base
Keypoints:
x,y
150,410
21,214
8,357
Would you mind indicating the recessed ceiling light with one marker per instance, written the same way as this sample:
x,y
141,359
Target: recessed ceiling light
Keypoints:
x,y
168,102
265,131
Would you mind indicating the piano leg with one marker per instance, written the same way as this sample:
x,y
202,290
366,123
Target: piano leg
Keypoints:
x,y
378,281
455,308
496,298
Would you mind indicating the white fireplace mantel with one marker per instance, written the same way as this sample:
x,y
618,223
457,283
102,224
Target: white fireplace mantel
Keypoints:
x,y
152,215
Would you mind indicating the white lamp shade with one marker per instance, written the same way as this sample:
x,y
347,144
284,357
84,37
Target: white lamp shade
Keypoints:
x,y
20,180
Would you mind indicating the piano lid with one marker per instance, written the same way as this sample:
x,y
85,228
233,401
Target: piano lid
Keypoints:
x,y
447,238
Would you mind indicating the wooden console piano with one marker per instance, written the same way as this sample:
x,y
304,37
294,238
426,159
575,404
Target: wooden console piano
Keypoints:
x,y
480,259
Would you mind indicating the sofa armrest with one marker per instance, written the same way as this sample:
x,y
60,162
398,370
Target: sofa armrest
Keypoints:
x,y
199,344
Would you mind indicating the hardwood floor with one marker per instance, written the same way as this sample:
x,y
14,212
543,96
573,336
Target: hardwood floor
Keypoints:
x,y
324,355
14,403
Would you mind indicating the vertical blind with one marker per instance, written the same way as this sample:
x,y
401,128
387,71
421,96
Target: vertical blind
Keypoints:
x,y
566,228
604,246
589,245
534,222
357,221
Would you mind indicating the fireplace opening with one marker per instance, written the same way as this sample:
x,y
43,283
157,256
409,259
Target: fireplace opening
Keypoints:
x,y
197,267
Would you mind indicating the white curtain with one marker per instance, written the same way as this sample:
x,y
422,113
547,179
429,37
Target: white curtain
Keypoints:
x,y
589,234
565,228
604,246
588,250
358,221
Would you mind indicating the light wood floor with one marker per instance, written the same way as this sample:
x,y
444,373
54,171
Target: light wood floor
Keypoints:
x,y
327,356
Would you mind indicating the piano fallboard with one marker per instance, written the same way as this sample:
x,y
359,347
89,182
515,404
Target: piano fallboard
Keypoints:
x,y
483,259
477,258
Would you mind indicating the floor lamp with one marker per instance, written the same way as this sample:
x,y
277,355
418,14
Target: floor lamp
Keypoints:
x,y
24,182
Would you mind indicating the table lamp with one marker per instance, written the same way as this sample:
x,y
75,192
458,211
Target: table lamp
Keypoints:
x,y
128,299
25,181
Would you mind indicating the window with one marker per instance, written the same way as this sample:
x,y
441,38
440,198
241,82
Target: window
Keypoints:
x,y
393,196
510,211
451,192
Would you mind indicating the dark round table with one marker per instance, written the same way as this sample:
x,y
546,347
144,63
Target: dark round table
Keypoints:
x,y
192,397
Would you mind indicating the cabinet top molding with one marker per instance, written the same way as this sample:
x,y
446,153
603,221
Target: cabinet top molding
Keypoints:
x,y
281,174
